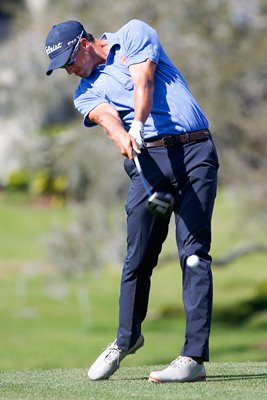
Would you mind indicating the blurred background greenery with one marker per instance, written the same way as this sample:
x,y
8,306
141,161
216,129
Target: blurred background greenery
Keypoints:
x,y
62,228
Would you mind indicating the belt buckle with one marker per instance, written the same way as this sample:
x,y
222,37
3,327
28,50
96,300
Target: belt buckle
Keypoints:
x,y
168,141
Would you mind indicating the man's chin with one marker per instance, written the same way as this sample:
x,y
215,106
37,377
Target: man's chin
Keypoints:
x,y
82,74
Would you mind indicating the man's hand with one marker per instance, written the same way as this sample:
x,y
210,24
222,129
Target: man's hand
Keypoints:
x,y
125,143
136,131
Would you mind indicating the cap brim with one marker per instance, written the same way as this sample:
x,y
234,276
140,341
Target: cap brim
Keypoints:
x,y
59,61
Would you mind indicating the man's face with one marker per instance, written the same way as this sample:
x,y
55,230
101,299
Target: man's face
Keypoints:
x,y
84,61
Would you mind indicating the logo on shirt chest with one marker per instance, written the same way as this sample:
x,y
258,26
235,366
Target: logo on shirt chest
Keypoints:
x,y
123,59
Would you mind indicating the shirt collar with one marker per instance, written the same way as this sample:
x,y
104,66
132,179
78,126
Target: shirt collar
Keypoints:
x,y
112,39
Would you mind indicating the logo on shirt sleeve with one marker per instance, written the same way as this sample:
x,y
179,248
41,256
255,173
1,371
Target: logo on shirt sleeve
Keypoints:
x,y
123,59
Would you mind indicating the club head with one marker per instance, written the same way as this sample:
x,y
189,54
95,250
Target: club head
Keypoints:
x,y
161,204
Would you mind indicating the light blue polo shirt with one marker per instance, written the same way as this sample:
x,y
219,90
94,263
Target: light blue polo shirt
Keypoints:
x,y
174,109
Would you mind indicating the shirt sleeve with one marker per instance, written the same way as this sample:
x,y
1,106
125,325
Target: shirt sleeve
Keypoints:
x,y
141,42
85,100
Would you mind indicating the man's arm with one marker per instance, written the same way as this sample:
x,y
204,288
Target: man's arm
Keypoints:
x,y
108,118
143,78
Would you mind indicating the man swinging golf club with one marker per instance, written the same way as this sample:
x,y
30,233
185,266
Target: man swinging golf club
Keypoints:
x,y
130,87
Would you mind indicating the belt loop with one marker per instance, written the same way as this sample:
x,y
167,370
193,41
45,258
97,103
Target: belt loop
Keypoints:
x,y
187,137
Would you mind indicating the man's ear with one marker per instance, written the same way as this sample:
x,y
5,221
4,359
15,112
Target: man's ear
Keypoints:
x,y
84,43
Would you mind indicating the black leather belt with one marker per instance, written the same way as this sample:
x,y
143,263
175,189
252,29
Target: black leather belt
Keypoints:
x,y
172,140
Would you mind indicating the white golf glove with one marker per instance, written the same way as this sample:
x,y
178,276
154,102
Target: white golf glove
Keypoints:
x,y
136,131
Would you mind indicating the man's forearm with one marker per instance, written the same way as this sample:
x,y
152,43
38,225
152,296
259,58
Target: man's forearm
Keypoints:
x,y
143,100
111,124
143,78
109,120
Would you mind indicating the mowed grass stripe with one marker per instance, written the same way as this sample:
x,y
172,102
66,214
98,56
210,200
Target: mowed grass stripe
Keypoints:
x,y
244,381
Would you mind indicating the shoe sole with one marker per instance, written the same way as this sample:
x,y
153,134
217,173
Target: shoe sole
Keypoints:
x,y
200,378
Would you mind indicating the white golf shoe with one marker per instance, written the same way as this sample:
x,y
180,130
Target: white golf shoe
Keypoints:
x,y
109,361
182,369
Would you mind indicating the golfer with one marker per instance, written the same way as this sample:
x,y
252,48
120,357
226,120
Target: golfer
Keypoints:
x,y
131,88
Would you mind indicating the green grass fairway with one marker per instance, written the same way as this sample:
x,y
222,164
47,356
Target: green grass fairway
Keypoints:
x,y
244,381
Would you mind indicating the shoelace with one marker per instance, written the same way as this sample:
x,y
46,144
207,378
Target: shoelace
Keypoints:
x,y
113,354
180,360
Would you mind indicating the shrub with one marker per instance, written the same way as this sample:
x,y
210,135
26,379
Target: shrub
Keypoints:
x,y
18,180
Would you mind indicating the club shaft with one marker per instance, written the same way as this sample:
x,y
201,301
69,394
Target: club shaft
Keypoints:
x,y
143,179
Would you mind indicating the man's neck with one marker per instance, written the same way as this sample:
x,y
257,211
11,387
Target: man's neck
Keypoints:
x,y
102,49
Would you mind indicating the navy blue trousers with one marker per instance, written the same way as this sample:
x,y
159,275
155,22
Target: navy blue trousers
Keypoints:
x,y
189,172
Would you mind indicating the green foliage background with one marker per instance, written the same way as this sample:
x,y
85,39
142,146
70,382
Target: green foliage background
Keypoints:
x,y
55,320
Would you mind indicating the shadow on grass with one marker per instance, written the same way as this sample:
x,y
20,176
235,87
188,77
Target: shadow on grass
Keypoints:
x,y
217,378
210,378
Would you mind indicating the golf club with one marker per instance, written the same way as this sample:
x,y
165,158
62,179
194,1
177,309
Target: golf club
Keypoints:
x,y
159,203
